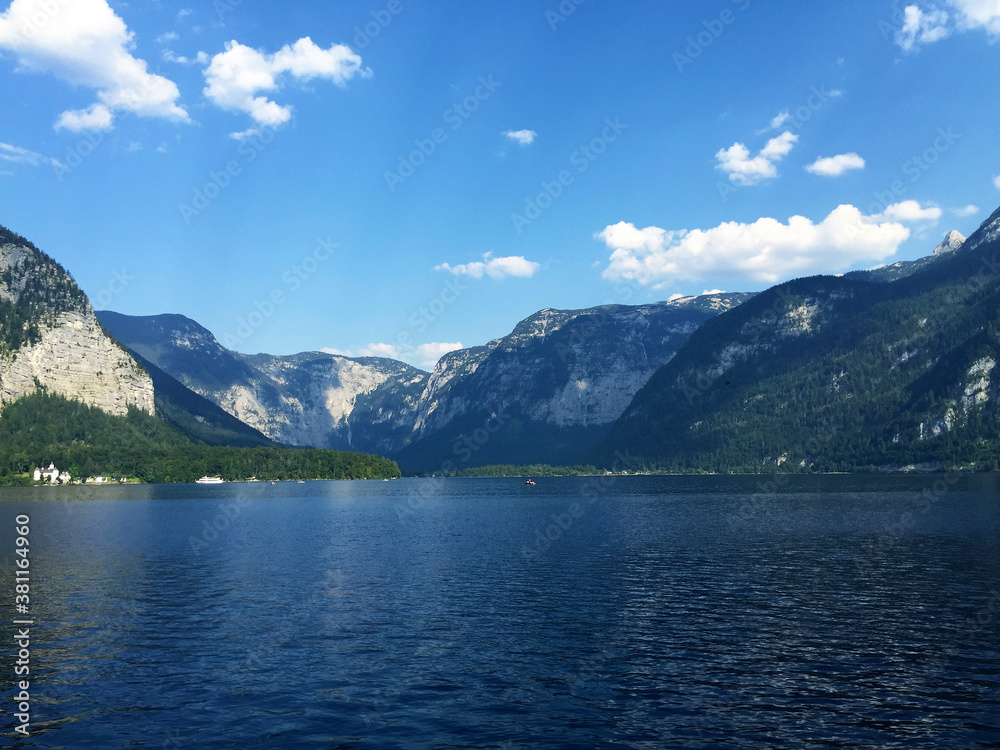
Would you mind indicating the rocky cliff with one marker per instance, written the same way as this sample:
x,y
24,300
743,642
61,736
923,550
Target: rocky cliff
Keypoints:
x,y
311,399
50,337
836,374
559,378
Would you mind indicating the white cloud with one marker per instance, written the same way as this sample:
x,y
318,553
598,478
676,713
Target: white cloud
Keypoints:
x,y
834,166
524,137
927,26
424,356
243,135
996,182
380,350
735,161
780,119
764,251
495,268
920,27
133,146
777,122
978,14
909,211
170,36
96,117
172,57
712,291
235,78
18,155
969,210
427,355
86,44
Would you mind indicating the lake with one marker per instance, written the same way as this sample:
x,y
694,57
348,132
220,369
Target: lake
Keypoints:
x,y
625,612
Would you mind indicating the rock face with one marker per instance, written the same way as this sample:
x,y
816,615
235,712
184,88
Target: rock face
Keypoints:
x,y
550,388
50,337
558,379
309,400
952,242
835,373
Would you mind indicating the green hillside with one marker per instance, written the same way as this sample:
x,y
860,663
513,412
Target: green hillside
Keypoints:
x,y
834,374
41,429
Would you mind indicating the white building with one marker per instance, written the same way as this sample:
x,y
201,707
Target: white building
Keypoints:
x,y
52,474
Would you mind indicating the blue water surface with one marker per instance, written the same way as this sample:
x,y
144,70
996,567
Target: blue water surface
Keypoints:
x,y
627,612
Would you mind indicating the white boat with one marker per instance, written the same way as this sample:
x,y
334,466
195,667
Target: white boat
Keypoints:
x,y
210,480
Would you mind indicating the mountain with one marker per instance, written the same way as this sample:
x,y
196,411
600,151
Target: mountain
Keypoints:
x,y
550,387
895,271
547,391
835,374
196,416
72,395
952,242
50,337
309,400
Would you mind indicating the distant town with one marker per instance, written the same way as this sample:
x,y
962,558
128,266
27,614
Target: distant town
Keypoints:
x,y
52,475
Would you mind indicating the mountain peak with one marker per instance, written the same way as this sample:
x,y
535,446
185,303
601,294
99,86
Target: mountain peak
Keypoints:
x,y
952,241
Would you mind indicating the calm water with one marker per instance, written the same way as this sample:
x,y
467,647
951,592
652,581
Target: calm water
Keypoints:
x,y
643,613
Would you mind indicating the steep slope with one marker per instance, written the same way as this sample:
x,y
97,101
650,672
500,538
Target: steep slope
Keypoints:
x,y
548,390
196,416
557,381
50,337
335,402
311,399
834,374
896,271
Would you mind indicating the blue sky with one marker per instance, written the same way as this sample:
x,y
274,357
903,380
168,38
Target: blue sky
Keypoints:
x,y
403,177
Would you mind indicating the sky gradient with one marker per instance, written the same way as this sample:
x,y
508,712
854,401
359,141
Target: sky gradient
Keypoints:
x,y
399,178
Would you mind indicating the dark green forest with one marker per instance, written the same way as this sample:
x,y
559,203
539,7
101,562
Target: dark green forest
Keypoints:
x,y
880,379
532,470
41,429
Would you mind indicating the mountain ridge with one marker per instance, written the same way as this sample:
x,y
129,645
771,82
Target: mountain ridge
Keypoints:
x,y
834,374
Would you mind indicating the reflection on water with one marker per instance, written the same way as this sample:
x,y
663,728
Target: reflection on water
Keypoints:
x,y
633,613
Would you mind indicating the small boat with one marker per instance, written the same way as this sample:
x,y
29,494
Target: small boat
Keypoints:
x,y
529,481
210,480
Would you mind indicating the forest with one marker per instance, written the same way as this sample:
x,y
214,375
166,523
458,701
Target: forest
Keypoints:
x,y
41,429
